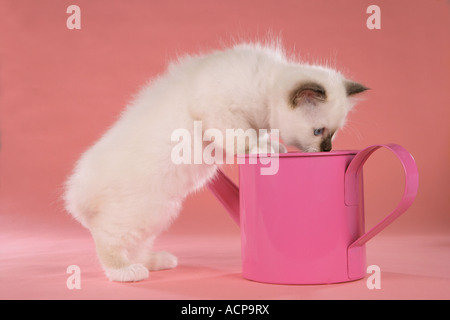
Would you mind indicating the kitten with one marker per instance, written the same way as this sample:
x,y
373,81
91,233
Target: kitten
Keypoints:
x,y
126,190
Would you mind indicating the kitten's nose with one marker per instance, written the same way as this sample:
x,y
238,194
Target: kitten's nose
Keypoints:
x,y
325,146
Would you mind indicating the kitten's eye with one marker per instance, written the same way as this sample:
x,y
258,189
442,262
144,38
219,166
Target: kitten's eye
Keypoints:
x,y
318,132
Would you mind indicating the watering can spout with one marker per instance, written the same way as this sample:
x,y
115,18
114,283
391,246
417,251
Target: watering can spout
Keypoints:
x,y
227,193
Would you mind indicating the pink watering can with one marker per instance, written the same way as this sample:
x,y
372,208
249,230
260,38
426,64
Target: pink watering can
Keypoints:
x,y
305,223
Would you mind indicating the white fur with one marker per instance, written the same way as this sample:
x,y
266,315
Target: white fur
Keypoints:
x,y
125,188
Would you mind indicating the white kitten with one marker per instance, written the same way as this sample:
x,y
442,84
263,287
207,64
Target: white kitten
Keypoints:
x,y
126,190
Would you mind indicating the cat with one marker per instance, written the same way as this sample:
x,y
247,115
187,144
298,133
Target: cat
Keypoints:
x,y
126,190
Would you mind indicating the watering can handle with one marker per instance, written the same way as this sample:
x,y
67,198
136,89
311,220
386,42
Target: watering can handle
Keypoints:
x,y
352,190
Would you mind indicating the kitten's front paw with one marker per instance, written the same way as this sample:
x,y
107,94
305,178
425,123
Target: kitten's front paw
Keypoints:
x,y
162,260
267,145
131,273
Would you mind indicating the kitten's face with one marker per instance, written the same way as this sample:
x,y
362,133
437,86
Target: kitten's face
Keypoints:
x,y
314,109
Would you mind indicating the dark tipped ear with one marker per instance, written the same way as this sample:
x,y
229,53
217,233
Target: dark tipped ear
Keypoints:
x,y
307,93
353,88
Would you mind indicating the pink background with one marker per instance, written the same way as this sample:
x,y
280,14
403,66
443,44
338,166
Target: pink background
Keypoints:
x,y
60,89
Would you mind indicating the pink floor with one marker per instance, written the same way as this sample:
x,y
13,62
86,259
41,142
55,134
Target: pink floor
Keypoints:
x,y
33,265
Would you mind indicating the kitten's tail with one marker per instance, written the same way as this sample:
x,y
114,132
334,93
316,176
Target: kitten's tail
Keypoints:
x,y
76,200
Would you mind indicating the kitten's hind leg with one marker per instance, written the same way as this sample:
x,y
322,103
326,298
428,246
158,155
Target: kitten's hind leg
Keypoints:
x,y
154,260
113,258
161,260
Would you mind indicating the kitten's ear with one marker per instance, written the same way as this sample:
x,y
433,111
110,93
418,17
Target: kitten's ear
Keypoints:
x,y
353,88
307,93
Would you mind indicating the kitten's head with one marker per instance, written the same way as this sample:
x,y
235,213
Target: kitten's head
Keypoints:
x,y
312,105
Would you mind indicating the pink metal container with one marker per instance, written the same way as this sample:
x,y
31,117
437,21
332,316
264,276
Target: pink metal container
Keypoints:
x,y
305,224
